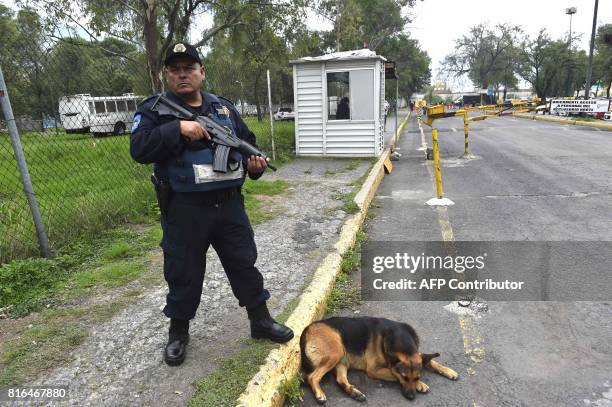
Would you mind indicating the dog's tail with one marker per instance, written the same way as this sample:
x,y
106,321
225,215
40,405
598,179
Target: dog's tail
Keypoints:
x,y
306,363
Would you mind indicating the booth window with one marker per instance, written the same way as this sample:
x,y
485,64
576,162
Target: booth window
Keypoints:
x,y
350,95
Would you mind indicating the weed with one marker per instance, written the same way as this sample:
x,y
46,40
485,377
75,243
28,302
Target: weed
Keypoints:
x,y
108,260
224,386
38,349
343,294
53,335
353,164
291,390
329,173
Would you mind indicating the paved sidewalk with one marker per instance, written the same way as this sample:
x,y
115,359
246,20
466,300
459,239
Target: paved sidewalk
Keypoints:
x,y
526,181
121,362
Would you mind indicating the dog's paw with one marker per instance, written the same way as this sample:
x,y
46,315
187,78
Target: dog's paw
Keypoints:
x,y
451,374
422,387
357,395
321,400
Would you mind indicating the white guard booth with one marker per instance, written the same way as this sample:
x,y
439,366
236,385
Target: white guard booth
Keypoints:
x,y
339,101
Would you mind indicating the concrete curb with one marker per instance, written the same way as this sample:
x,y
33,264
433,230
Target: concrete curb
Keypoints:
x,y
283,363
603,126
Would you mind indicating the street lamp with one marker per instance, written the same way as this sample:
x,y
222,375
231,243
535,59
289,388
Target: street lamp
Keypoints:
x,y
571,11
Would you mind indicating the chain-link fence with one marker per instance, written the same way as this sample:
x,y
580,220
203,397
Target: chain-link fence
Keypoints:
x,y
73,105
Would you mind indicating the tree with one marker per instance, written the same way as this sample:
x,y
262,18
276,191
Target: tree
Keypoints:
x,y
551,67
240,57
156,24
412,65
380,26
363,23
484,54
538,63
602,61
8,38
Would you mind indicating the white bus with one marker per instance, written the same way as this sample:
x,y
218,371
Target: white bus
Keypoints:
x,y
99,115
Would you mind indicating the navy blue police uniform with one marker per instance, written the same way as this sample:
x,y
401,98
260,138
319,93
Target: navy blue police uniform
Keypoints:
x,y
206,207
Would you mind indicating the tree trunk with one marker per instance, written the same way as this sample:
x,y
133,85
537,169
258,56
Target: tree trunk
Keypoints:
x,y
337,25
151,40
608,90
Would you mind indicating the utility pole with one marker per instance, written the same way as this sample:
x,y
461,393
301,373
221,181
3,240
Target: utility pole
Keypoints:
x,y
587,89
569,11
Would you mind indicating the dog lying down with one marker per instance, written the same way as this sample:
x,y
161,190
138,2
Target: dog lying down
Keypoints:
x,y
384,349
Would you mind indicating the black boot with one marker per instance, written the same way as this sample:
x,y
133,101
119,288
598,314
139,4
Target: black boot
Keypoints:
x,y
178,338
264,327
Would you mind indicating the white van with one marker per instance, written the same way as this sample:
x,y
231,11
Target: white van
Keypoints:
x,y
99,115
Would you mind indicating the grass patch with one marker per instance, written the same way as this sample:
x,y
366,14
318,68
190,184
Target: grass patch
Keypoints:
x,y
54,334
262,187
110,275
352,165
584,119
38,349
349,206
344,294
118,250
256,210
329,173
110,259
83,185
284,137
223,387
291,390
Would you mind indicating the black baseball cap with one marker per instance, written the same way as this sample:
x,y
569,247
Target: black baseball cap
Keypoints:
x,y
182,48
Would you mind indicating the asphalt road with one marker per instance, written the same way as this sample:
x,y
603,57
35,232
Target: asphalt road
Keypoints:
x,y
527,181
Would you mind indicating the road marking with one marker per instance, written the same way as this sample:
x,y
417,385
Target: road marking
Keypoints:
x,y
472,340
454,129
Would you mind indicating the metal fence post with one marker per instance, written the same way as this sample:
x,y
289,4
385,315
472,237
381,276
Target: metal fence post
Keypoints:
x,y
271,117
23,168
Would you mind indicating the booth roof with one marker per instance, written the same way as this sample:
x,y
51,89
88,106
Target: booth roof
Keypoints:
x,y
341,56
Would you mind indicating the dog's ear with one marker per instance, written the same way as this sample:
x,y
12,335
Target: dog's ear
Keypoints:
x,y
427,357
388,345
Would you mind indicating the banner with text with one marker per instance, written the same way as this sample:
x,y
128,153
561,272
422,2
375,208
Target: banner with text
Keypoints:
x,y
497,271
579,106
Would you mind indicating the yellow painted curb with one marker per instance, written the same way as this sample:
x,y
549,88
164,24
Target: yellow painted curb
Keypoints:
x,y
283,363
603,126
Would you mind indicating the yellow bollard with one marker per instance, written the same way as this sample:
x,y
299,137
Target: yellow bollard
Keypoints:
x,y
466,128
436,152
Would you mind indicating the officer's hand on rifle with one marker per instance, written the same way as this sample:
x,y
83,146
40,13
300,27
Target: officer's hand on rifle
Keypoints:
x,y
256,165
193,131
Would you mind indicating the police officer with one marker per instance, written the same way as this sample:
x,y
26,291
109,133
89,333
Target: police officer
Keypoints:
x,y
200,207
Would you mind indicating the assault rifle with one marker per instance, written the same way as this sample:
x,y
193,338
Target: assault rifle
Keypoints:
x,y
223,138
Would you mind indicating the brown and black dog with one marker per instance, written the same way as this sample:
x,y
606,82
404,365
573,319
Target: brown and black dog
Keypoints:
x,y
384,349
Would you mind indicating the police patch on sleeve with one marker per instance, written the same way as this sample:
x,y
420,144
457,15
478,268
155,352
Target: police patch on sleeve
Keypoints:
x,y
136,122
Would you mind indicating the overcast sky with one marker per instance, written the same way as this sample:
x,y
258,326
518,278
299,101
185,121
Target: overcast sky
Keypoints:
x,y
438,23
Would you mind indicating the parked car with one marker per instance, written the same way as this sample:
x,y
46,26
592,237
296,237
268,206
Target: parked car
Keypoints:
x,y
607,116
284,113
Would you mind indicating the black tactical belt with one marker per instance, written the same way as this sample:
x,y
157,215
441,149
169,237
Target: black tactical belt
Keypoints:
x,y
209,198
